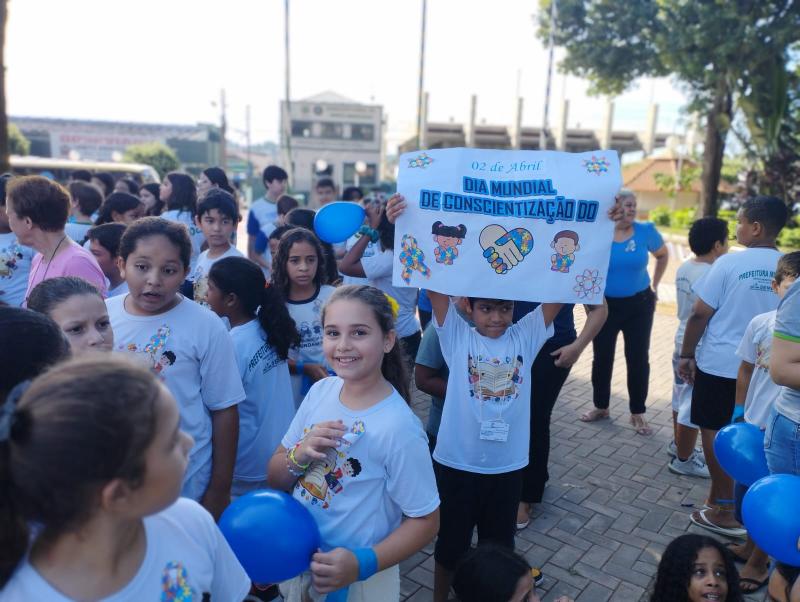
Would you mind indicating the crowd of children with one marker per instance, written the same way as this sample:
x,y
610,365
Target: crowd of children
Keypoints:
x,y
290,368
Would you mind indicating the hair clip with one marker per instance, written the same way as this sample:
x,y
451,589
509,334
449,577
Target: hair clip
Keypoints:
x,y
8,407
393,304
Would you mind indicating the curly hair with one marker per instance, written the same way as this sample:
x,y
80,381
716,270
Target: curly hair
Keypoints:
x,y
675,569
280,275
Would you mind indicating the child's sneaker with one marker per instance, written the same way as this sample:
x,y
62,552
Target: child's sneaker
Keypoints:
x,y
672,449
693,467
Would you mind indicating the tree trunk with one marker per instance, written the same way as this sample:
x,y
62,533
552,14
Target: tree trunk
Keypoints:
x,y
717,124
4,163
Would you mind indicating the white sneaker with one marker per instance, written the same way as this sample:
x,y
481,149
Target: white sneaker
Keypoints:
x,y
693,467
672,449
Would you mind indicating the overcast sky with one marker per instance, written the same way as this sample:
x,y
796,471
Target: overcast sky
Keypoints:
x,y
166,60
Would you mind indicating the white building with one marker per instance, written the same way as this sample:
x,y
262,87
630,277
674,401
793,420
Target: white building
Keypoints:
x,y
333,136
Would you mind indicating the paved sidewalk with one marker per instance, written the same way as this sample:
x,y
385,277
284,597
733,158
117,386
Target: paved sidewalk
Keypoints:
x,y
611,505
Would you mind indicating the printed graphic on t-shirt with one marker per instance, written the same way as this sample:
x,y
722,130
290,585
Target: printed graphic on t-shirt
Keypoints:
x,y
9,257
324,478
200,287
761,280
175,584
155,353
762,354
493,379
311,332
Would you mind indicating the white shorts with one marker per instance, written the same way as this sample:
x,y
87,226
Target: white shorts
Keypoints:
x,y
681,397
381,587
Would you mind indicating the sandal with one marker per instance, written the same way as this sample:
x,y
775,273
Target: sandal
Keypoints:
x,y
640,425
594,415
757,585
736,557
698,517
538,577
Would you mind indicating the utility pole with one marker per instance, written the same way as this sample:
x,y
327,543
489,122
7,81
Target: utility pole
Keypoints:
x,y
551,43
420,94
287,117
223,132
247,142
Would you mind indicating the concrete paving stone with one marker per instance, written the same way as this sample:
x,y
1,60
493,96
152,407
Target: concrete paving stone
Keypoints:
x,y
624,572
594,592
421,595
408,587
571,577
412,561
597,575
599,540
626,538
654,520
628,592
539,539
538,555
574,508
569,538
597,556
421,576
599,523
572,523
566,557
626,522
561,589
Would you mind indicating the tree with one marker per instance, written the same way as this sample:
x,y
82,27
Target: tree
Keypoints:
x,y
157,155
18,144
713,48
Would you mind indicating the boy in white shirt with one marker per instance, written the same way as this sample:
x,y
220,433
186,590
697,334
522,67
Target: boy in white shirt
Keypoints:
x,y
263,215
217,216
736,288
756,394
84,201
103,241
708,239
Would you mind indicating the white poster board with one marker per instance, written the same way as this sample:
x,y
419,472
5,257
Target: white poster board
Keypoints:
x,y
521,225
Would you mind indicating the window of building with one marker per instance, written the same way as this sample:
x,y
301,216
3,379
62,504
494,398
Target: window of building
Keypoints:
x,y
368,178
301,129
362,131
331,130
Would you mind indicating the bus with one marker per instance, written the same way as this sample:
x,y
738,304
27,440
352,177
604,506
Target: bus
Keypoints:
x,y
60,169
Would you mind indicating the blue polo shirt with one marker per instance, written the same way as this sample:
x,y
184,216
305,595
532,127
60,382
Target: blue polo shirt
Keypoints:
x,y
627,268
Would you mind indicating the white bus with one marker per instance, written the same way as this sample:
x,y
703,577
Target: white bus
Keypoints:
x,y
60,169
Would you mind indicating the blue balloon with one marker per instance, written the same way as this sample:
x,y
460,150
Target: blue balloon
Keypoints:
x,y
336,222
272,534
770,514
739,449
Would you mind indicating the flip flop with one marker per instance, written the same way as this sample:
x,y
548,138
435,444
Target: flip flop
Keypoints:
x,y
594,415
698,517
758,584
538,577
643,429
736,557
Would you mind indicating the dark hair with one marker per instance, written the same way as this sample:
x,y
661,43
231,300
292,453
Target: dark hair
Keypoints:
x,y
76,428
116,202
170,355
473,300
154,189
285,204
571,234
184,193
108,235
769,211
705,232
356,466
177,234
107,179
220,200
81,175
243,278
386,233
352,193
301,216
280,231
4,178
130,184
217,176
280,275
45,202
675,569
54,291
273,172
87,196
788,266
489,573
29,343
459,231
394,366
325,183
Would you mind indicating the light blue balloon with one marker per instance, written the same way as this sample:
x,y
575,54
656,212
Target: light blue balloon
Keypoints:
x,y
770,513
272,534
336,222
739,449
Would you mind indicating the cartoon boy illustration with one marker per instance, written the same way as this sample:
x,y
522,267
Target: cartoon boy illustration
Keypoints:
x,y
167,359
447,239
565,244
350,468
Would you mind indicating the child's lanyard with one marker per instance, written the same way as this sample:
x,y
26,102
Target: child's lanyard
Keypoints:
x,y
492,429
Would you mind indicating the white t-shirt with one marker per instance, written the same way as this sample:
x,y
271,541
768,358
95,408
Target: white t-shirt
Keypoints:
x,y
739,287
195,233
120,289
199,275
689,272
189,348
755,349
268,409
359,494
77,230
490,379
378,269
307,316
186,557
266,214
369,251
15,265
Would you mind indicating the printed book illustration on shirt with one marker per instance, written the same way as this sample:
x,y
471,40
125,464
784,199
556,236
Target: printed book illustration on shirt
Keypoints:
x,y
200,288
154,354
492,379
9,257
324,478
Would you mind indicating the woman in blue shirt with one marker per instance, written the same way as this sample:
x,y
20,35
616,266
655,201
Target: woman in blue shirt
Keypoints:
x,y
631,304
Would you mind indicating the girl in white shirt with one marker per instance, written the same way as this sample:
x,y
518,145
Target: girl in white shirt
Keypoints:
x,y
298,274
179,193
356,456
94,457
262,332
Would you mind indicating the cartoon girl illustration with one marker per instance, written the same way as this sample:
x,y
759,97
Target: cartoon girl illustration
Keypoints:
x,y
447,239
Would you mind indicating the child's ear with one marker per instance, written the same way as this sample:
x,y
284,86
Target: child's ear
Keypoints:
x,y
389,340
120,265
231,300
775,286
114,495
197,220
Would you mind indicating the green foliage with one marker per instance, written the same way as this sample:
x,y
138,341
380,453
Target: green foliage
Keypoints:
x,y
18,144
679,218
661,216
157,155
667,182
789,238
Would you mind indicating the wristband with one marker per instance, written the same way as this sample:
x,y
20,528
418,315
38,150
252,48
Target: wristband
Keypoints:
x,y
371,232
290,461
738,412
367,562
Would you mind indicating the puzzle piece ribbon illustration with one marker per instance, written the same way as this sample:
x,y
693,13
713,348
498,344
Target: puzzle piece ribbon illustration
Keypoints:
x,y
505,249
413,259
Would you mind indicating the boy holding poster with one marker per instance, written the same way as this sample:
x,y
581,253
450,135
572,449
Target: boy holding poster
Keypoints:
x,y
482,445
